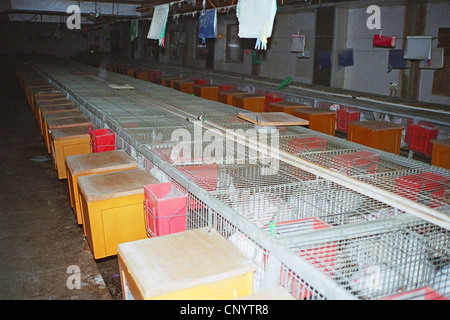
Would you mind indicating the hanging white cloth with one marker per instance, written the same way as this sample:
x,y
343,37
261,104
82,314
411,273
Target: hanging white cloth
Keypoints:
x,y
159,21
418,48
256,19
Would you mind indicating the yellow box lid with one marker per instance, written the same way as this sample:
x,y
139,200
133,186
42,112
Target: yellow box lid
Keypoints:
x,y
182,260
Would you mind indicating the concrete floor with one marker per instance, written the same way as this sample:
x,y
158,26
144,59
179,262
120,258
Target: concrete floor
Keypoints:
x,y
40,242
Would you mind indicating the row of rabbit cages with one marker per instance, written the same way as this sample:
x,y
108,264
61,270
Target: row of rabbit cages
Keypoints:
x,y
343,157
377,260
371,264
265,185
426,185
291,203
153,121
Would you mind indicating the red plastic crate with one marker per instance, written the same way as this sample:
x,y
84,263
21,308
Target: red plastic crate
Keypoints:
x,y
356,162
426,186
204,175
227,87
152,75
425,293
165,205
130,124
175,156
345,115
322,257
324,105
420,136
271,98
308,144
300,145
200,81
102,140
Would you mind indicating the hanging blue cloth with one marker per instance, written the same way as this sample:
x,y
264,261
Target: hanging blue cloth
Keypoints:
x,y
207,24
345,58
396,60
324,59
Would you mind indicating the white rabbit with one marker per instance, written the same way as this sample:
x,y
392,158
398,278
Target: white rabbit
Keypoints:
x,y
387,265
441,280
259,208
251,251
376,280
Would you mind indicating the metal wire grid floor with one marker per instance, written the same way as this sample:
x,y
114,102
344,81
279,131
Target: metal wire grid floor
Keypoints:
x,y
288,207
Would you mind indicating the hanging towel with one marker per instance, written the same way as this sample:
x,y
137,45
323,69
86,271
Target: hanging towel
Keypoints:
x,y
396,60
418,48
256,19
207,24
134,29
106,31
345,58
158,25
298,43
324,59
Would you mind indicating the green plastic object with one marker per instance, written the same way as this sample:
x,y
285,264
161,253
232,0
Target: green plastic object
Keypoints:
x,y
272,228
256,57
134,29
285,83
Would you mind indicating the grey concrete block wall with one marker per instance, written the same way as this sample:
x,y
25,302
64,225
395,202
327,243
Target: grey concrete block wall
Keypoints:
x,y
368,74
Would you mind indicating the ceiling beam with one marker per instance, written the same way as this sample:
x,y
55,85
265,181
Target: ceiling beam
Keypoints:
x,y
127,2
185,7
57,13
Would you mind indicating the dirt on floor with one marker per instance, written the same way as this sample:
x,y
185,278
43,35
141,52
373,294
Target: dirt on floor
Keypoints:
x,y
43,252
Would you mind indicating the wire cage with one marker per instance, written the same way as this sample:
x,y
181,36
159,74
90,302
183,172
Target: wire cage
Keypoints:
x,y
229,121
426,185
383,261
354,162
317,238
146,122
303,142
321,199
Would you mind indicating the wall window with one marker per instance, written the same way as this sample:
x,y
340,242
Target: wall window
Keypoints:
x,y
174,47
234,50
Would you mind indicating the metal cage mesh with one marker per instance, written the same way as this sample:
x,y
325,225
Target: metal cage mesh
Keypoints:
x,y
338,238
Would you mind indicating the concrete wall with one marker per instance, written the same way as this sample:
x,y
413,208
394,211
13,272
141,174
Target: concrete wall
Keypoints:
x,y
339,43
220,61
368,74
370,70
279,62
39,38
437,17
